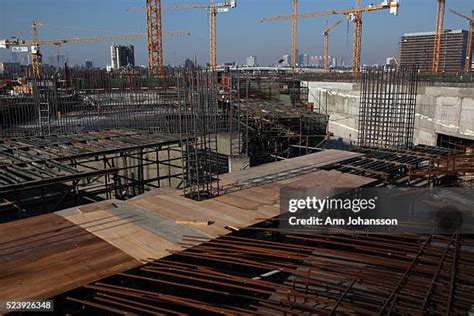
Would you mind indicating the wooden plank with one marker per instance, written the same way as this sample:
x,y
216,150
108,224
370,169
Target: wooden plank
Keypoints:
x,y
319,159
127,233
46,255
52,256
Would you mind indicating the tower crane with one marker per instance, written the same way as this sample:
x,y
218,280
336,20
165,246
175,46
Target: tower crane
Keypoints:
x,y
326,32
36,57
35,43
213,9
353,14
470,33
440,7
294,30
357,41
154,38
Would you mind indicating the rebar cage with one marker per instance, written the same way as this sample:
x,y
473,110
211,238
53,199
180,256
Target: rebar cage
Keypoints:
x,y
387,108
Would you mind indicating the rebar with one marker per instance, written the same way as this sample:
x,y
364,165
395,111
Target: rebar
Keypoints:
x,y
270,270
387,108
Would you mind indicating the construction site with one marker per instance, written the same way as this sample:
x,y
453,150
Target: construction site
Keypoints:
x,y
163,192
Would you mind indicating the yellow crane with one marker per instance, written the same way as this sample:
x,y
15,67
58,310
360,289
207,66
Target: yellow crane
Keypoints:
x,y
470,33
36,43
326,32
354,15
213,9
440,7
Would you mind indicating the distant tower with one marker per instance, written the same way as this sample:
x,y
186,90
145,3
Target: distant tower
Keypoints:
x,y
251,61
285,60
122,56
113,57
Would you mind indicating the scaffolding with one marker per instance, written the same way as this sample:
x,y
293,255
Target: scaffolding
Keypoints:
x,y
266,119
44,174
387,108
397,167
272,131
198,112
79,102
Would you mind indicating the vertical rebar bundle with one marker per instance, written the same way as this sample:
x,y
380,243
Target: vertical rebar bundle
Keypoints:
x,y
387,108
198,112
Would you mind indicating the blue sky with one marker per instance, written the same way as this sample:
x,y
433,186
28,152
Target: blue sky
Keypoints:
x,y
240,32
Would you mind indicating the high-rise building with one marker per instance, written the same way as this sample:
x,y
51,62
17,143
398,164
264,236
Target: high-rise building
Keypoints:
x,y
390,63
300,60
417,49
188,63
285,61
122,56
316,61
88,64
113,57
305,61
251,61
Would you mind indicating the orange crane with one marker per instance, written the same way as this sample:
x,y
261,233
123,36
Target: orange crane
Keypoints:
x,y
36,57
357,41
294,25
213,9
470,33
438,34
326,32
355,16
35,43
154,38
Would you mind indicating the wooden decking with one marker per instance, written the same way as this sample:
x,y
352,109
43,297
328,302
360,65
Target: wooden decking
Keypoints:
x,y
44,255
53,253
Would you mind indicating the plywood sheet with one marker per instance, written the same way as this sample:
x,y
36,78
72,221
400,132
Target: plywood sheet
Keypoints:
x,y
50,254
47,255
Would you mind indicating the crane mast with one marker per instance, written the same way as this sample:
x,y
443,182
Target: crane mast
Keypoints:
x,y
294,30
438,34
154,38
36,57
213,36
468,62
357,41
326,44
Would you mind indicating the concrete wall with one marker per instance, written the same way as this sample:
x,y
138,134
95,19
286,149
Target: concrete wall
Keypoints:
x,y
445,110
341,101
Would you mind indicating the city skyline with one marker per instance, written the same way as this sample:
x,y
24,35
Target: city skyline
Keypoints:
x,y
378,43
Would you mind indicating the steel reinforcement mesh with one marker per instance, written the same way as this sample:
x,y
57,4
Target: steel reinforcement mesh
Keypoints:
x,y
387,108
85,102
